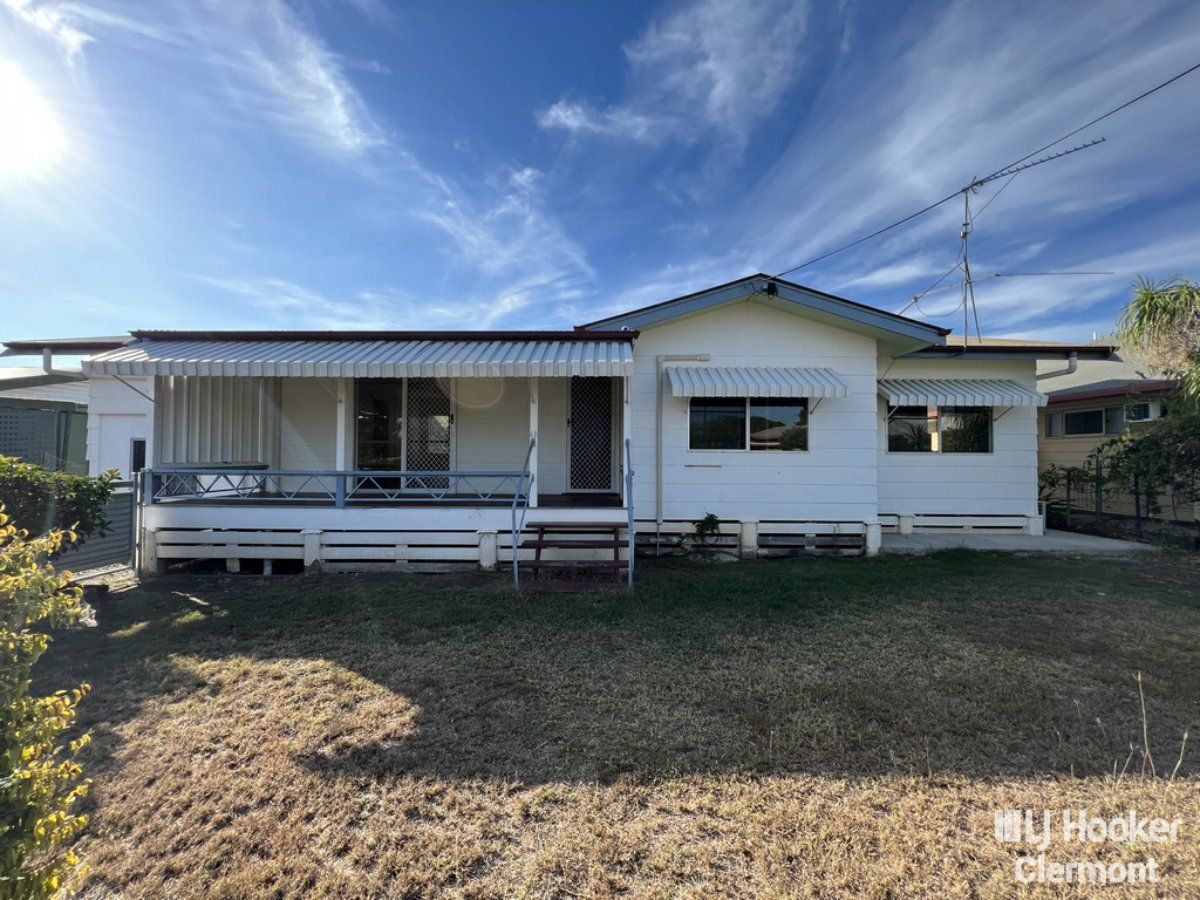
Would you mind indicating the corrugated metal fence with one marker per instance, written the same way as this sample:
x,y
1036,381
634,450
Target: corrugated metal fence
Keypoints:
x,y
116,547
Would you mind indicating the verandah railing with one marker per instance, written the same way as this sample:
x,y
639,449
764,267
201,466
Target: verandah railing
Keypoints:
x,y
335,488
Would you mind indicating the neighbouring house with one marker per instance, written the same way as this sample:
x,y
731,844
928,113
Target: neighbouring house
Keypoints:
x,y
1092,402
43,417
800,420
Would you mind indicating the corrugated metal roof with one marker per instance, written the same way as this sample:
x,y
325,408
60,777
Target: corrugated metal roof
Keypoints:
x,y
368,358
66,392
754,381
958,392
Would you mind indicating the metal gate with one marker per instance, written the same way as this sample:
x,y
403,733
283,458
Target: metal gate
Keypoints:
x,y
590,429
116,547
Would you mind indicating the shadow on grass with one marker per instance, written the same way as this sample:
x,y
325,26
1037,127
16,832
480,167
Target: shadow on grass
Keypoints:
x,y
957,663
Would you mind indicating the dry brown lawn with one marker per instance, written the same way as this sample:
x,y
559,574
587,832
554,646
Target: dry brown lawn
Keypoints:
x,y
792,728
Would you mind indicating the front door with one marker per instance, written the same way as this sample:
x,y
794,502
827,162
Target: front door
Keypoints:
x,y
590,429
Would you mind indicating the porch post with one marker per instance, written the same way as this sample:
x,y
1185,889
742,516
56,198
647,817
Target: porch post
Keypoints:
x,y
343,418
626,435
533,436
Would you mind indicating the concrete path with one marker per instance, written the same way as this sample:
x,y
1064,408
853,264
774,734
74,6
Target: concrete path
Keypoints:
x,y
1065,543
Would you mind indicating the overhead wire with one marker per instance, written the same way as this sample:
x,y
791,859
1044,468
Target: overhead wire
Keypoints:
x,y
998,172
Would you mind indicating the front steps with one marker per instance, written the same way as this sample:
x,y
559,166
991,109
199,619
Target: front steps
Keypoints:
x,y
564,571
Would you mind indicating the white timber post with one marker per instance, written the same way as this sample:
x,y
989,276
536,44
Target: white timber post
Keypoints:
x,y
626,434
748,540
1035,525
343,420
487,550
904,524
312,551
874,538
533,436
233,562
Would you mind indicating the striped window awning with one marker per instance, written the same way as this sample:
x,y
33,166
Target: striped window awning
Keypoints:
x,y
368,358
958,392
754,381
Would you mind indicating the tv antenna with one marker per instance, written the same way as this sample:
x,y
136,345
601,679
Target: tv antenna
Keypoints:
x,y
969,308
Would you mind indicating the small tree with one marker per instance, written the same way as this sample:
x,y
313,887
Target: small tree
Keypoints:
x,y
39,779
1161,325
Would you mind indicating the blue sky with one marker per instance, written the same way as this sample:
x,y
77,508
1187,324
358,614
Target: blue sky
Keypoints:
x,y
361,164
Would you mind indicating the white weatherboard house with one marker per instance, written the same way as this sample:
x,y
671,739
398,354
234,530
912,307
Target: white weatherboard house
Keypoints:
x,y
799,419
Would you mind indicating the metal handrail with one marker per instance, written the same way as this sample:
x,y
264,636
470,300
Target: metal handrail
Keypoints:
x,y
629,511
302,485
518,529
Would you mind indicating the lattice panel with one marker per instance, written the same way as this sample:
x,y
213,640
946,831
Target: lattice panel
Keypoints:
x,y
428,431
591,434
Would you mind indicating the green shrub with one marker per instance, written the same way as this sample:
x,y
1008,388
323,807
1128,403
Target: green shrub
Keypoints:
x,y
39,500
39,778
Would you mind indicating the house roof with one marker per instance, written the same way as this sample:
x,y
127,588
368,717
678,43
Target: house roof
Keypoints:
x,y
1013,348
462,336
789,294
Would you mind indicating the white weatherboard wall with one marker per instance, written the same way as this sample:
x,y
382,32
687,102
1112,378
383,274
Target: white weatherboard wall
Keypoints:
x,y
834,480
308,423
118,415
552,435
491,426
1000,483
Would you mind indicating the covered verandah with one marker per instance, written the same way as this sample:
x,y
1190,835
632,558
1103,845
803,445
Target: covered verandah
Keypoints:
x,y
410,434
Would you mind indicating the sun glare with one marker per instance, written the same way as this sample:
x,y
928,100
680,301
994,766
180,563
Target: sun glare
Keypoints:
x,y
31,139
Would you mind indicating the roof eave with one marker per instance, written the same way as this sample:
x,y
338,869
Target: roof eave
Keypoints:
x,y
1031,352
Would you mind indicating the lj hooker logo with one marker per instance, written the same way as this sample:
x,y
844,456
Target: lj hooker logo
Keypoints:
x,y
1077,827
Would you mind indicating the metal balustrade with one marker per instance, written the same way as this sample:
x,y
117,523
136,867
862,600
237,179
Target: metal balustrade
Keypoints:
x,y
338,489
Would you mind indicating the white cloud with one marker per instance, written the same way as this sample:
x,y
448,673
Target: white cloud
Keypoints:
x,y
270,64
712,65
54,20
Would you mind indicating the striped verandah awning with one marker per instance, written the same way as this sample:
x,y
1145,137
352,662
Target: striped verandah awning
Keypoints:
x,y
754,381
958,392
461,358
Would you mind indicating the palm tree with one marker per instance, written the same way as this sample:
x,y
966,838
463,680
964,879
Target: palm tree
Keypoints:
x,y
1162,325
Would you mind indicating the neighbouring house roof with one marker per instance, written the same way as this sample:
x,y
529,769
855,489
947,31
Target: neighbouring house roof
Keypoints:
x,y
958,392
371,354
1012,348
71,345
1112,377
30,383
786,295
751,381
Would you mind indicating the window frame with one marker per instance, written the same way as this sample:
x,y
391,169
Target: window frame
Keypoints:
x,y
747,403
936,432
1090,409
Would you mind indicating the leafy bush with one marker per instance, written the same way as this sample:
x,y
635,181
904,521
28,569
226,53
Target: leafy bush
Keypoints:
x,y
39,778
39,500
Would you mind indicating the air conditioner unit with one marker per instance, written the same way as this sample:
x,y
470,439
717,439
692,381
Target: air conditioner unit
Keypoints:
x,y
1138,412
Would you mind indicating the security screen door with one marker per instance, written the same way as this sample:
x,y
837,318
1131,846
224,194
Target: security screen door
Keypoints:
x,y
430,417
591,434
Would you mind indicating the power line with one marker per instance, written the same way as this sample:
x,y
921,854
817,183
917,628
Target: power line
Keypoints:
x,y
998,173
